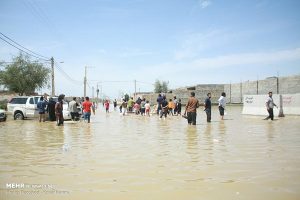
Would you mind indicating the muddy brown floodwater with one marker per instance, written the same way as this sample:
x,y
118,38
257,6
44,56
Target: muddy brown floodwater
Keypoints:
x,y
134,157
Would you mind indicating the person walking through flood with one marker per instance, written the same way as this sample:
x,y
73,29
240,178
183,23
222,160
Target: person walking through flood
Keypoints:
x,y
179,107
73,108
124,107
270,105
130,104
175,104
143,109
137,108
159,100
106,105
171,107
59,110
164,108
191,109
51,109
87,106
115,104
41,105
222,104
94,107
207,106
147,108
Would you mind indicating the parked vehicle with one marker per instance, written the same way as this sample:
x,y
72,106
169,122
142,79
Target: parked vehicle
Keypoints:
x,y
2,115
66,111
23,107
26,107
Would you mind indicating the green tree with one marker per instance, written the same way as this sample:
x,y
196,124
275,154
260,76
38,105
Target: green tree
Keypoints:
x,y
24,76
160,86
164,87
126,97
157,86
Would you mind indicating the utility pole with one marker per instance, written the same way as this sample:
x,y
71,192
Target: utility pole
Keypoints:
x,y
101,92
134,88
257,85
97,90
52,77
93,92
277,83
230,91
241,90
84,82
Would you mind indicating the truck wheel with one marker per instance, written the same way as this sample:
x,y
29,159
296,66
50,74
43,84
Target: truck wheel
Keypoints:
x,y
18,116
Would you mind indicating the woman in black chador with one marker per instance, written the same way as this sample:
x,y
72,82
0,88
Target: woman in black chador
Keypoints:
x,y
51,109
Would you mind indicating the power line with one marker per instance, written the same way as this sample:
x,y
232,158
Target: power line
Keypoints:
x,y
145,82
24,47
111,81
66,75
40,14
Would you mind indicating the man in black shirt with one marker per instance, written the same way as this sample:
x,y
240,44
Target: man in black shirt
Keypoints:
x,y
207,105
164,107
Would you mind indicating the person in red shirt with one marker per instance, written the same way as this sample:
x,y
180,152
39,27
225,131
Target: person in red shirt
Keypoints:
x,y
87,105
106,104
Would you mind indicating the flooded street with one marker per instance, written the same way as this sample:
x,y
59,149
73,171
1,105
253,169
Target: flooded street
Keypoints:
x,y
134,157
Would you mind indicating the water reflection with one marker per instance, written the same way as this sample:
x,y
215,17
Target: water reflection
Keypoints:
x,y
133,155
192,143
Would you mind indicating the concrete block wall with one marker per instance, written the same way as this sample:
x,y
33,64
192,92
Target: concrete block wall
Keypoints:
x,y
233,93
289,85
286,85
214,89
249,87
267,85
184,93
288,104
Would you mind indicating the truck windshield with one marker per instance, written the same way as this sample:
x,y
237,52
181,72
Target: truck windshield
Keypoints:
x,y
18,100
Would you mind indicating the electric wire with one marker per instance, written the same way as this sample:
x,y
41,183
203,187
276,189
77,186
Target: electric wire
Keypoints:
x,y
39,55
66,75
22,50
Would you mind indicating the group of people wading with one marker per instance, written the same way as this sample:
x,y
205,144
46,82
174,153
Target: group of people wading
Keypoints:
x,y
140,106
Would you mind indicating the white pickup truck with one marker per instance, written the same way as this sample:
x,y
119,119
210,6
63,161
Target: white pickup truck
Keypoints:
x,y
23,107
26,107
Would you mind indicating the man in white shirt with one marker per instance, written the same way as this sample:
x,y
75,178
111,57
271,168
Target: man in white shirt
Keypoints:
x,y
222,104
270,105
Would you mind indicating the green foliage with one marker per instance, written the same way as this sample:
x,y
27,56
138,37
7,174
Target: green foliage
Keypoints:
x,y
160,86
3,104
126,97
24,76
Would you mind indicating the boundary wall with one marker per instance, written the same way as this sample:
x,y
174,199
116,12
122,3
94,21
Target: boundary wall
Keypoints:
x,y
288,104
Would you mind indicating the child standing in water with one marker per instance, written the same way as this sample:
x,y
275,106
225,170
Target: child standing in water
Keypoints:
x,y
171,107
143,109
147,108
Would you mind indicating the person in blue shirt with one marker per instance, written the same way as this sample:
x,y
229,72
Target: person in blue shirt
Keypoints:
x,y
41,105
159,101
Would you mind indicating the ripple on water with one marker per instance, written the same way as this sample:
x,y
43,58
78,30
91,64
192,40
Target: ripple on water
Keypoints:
x,y
115,155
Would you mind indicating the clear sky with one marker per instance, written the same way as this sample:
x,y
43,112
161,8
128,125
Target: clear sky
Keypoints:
x,y
184,42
